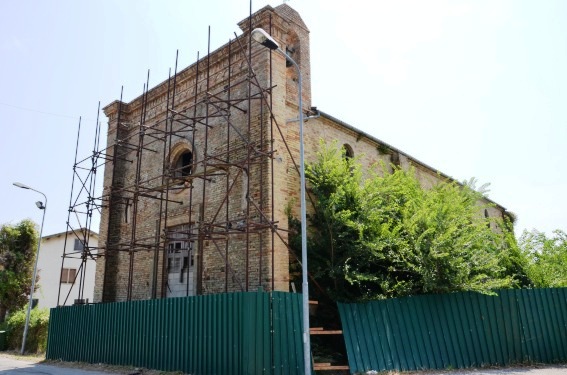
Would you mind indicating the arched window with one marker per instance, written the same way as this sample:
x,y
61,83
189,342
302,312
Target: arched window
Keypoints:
x,y
349,153
184,164
292,49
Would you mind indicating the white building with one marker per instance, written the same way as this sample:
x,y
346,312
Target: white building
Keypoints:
x,y
52,270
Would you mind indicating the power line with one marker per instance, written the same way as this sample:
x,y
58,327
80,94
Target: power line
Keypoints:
x,y
38,111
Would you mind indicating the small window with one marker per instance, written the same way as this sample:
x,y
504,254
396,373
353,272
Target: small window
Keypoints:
x,y
349,153
79,245
184,164
68,275
127,209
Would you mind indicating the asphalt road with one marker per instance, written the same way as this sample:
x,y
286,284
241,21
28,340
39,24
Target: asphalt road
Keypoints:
x,y
21,367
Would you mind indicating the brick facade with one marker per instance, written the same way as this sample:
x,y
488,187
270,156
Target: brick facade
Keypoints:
x,y
233,111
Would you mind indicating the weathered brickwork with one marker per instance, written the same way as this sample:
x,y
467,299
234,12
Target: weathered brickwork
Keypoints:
x,y
233,114
218,113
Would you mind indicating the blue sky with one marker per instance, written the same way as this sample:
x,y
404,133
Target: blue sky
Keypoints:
x,y
472,88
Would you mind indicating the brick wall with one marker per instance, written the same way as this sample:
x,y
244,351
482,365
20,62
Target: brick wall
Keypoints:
x,y
244,174
223,118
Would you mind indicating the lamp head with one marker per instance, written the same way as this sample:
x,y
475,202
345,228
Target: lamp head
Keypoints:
x,y
40,205
265,39
20,185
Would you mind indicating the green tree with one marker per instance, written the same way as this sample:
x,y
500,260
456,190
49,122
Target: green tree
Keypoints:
x,y
17,253
546,258
383,235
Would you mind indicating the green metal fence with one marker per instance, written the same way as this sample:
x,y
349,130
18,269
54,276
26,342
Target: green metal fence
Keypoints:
x,y
456,330
234,333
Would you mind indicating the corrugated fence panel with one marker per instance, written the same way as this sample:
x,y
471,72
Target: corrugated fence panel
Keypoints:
x,y
287,320
456,330
234,333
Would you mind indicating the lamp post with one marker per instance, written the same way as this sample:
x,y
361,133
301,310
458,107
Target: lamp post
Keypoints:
x,y
43,207
262,37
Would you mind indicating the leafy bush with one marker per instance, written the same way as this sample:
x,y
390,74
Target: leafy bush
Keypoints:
x,y
37,331
546,258
379,234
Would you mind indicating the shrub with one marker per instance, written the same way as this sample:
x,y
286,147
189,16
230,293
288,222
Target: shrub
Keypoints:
x,y
379,234
37,331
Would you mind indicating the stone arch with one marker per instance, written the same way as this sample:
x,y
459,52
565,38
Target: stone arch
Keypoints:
x,y
181,160
293,48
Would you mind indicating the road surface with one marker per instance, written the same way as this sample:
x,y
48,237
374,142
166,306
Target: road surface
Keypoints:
x,y
10,365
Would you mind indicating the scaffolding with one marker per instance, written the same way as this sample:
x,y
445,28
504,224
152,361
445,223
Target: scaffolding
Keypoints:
x,y
212,197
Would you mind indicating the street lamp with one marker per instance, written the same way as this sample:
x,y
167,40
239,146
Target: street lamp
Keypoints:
x,y
262,37
41,206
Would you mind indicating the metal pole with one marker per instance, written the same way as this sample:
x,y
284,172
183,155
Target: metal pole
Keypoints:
x,y
266,40
35,266
305,285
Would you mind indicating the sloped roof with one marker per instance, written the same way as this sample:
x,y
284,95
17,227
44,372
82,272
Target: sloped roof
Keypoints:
x,y
70,232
